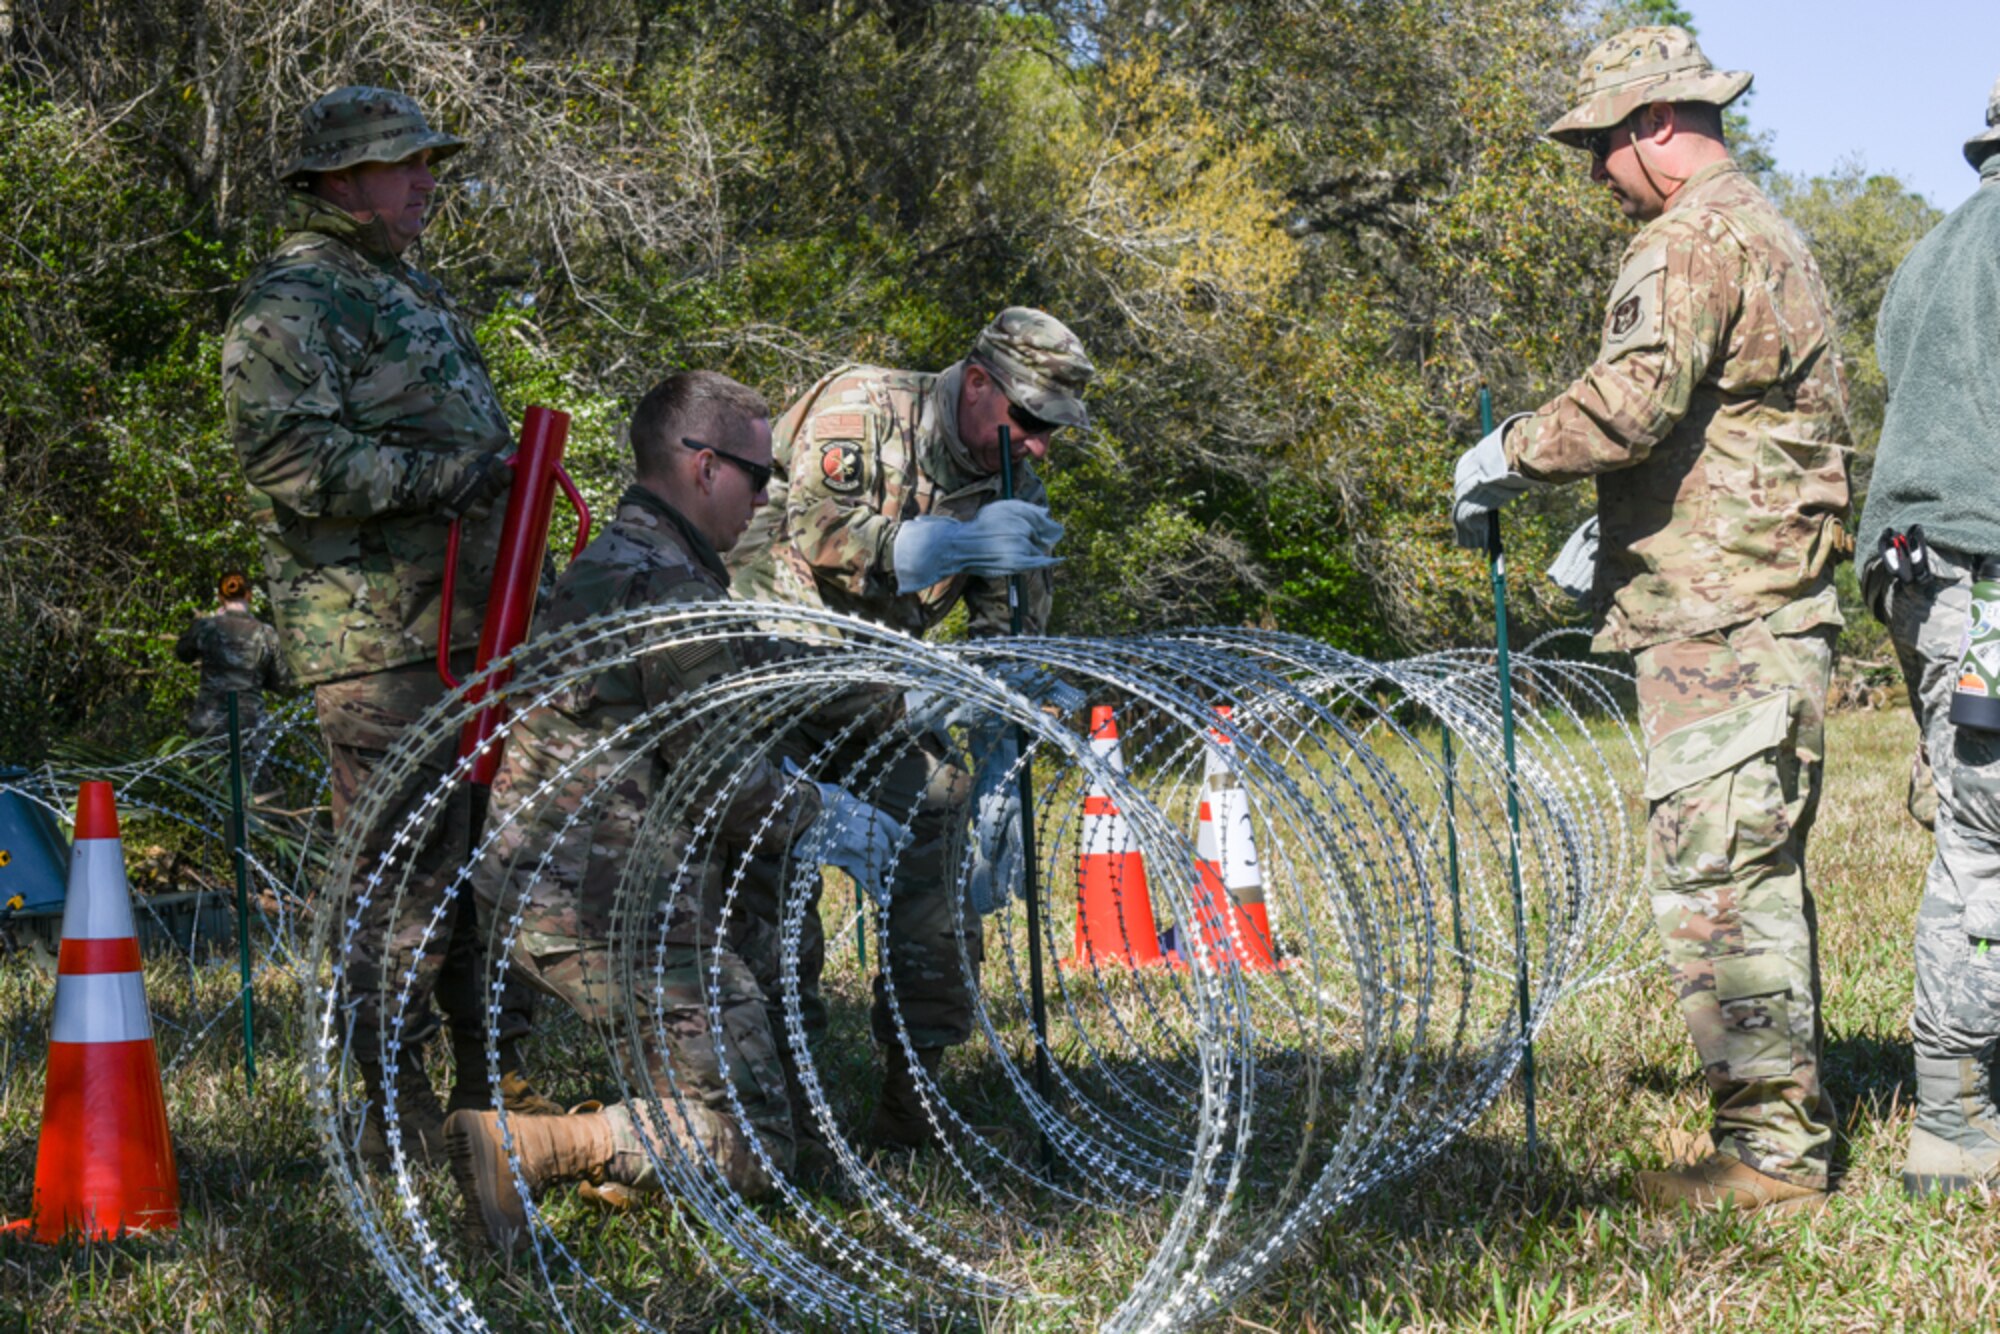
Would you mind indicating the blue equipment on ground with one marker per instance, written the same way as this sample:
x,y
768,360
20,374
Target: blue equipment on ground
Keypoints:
x,y
34,855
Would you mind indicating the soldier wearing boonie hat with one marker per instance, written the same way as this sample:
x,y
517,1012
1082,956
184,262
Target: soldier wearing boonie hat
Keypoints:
x,y
365,422
1983,145
888,506
1714,424
1934,486
353,125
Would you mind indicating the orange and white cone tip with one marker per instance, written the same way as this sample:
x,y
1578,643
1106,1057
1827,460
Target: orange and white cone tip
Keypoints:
x,y
1114,908
1234,924
105,1164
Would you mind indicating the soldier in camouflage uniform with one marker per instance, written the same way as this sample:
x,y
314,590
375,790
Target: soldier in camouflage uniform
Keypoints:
x,y
866,451
1934,476
363,416
1714,421
238,653
567,874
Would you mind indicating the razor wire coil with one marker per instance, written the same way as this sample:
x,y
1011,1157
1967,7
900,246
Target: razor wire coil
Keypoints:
x,y
1219,1106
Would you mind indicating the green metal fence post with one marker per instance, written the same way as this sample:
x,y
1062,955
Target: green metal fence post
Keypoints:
x,y
240,837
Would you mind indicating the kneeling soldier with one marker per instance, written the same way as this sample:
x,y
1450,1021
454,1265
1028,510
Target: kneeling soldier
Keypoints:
x,y
560,844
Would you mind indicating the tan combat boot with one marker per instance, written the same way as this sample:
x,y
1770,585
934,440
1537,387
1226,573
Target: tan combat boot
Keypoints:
x,y
1719,1179
1685,1146
900,1121
419,1120
1955,1142
551,1149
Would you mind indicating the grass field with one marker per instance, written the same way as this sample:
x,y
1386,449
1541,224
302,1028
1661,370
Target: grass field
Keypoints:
x,y
1477,1240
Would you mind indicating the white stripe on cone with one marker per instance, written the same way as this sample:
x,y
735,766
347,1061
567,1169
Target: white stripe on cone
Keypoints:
x,y
104,911
101,1007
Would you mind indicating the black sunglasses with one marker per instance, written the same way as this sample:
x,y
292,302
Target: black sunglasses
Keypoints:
x,y
1598,142
758,473
1029,423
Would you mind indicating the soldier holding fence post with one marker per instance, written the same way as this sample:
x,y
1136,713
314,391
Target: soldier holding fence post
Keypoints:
x,y
1714,423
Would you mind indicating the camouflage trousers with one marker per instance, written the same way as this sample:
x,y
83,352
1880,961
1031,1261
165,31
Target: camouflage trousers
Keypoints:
x,y
708,1092
1958,984
1735,741
360,718
930,938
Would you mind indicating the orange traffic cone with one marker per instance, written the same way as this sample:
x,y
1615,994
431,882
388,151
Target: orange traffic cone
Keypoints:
x,y
1114,910
1229,906
105,1165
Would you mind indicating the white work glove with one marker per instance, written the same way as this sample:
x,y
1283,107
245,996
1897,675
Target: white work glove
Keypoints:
x,y
1575,568
930,711
1045,689
996,818
858,838
1005,537
1482,484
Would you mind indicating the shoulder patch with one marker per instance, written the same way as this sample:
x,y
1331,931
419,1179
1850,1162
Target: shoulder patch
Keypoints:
x,y
840,466
1633,318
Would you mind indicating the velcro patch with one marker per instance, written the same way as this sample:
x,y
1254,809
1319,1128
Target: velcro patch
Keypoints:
x,y
840,466
839,426
1633,319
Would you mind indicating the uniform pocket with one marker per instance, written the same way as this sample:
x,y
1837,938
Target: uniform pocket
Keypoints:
x,y
1754,994
1717,793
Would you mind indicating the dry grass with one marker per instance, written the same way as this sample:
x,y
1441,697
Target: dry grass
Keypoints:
x,y
1479,1240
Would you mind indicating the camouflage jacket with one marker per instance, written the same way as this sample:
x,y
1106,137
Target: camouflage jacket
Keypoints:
x,y
862,451
356,398
237,652
1714,420
648,556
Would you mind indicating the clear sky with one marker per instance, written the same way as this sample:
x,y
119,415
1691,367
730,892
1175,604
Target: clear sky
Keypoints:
x,y
1901,84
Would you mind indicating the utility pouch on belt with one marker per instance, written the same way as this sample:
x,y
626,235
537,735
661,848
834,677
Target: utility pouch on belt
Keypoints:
x,y
1975,700
1906,555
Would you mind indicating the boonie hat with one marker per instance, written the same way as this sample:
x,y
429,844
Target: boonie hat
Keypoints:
x,y
1979,145
1638,67
356,124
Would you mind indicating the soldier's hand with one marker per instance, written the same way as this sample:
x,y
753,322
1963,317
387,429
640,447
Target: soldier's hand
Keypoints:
x,y
860,839
480,479
996,818
1481,484
1575,568
1005,537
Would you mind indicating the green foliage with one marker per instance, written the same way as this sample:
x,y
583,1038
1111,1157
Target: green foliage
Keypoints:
x,y
1296,237
1658,11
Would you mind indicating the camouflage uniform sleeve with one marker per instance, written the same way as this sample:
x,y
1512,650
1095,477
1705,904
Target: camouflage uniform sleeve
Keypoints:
x,y
986,599
1669,314
284,382
188,647
760,790
835,526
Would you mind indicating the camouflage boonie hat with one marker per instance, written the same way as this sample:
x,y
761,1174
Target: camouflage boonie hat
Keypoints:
x,y
1641,66
1979,146
1038,363
356,124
